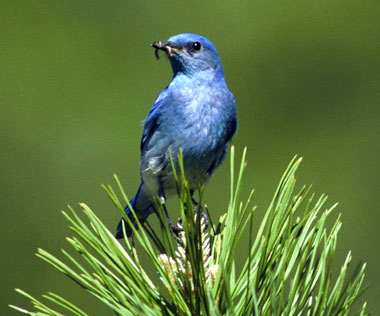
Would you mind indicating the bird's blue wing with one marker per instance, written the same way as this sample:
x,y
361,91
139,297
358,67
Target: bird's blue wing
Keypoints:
x,y
152,121
229,132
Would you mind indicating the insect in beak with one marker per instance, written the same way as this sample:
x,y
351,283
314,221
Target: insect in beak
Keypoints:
x,y
169,48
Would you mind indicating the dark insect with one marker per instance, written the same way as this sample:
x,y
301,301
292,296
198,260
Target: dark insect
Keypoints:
x,y
158,45
156,53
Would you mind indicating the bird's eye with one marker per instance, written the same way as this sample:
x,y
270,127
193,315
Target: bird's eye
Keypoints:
x,y
196,46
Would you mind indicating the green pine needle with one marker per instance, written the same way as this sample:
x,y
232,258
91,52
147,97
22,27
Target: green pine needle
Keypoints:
x,y
287,269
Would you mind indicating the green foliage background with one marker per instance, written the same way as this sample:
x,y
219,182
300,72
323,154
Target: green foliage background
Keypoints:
x,y
77,78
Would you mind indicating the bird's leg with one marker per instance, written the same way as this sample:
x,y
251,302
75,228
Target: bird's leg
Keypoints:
x,y
195,202
200,210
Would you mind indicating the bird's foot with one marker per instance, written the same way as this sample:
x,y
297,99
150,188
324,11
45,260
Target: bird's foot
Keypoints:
x,y
178,232
177,228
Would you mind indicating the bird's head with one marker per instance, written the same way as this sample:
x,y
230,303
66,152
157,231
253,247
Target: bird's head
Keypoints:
x,y
190,53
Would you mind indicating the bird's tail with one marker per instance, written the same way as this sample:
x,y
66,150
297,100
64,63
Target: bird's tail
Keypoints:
x,y
142,205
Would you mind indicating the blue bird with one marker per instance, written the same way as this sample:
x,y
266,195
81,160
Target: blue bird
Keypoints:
x,y
195,113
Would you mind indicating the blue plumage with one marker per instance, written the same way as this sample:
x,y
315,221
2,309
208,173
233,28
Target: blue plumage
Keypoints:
x,y
196,113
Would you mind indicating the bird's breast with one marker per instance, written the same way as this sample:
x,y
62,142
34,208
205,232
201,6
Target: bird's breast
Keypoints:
x,y
205,116
198,127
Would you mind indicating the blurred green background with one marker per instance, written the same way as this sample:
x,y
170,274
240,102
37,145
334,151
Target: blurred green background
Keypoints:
x,y
78,77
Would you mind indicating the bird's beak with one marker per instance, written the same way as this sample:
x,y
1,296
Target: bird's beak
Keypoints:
x,y
169,48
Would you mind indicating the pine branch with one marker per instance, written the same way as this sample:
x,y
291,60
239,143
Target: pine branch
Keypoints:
x,y
287,269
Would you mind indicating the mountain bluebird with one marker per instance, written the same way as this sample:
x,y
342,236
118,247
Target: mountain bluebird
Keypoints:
x,y
195,113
